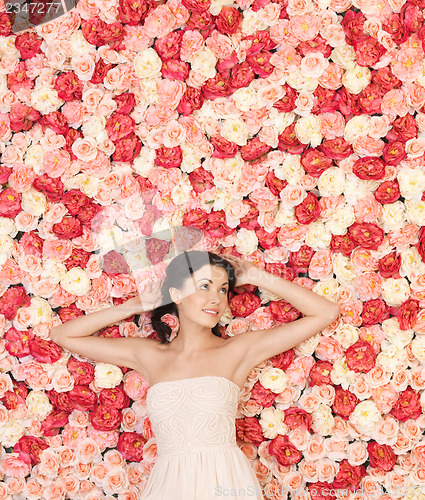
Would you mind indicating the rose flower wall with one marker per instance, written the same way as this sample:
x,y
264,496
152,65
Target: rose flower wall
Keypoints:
x,y
292,133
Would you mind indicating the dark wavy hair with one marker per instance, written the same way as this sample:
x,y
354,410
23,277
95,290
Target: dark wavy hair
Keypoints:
x,y
178,270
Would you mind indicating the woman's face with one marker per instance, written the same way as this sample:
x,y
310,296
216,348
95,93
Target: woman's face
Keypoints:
x,y
206,289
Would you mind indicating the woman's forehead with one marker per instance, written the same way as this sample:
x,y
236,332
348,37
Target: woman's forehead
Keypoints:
x,y
213,273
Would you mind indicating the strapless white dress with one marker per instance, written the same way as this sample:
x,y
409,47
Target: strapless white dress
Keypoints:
x,y
193,420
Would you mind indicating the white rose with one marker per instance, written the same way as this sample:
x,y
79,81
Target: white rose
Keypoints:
x,y
340,220
235,130
323,420
7,226
344,56
251,22
327,288
299,82
308,347
341,374
397,337
274,379
317,236
34,202
76,281
42,312
11,432
107,376
279,120
245,98
356,188
149,91
93,125
415,212
284,216
38,405
411,182
392,216
272,422
34,157
356,78
181,193
418,347
395,291
246,241
411,263
147,64
308,130
358,126
346,334
144,163
365,415
331,181
216,6
204,62
45,100
53,269
6,248
109,237
79,45
290,170
391,357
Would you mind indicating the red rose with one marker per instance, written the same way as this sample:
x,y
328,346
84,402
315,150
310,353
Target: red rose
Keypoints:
x,y
105,418
343,243
201,180
197,5
348,103
69,86
29,449
387,192
88,213
119,126
17,342
60,401
274,183
127,149
344,402
315,162
114,398
279,269
408,313
111,34
175,69
250,220
381,456
369,167
325,100
318,44
90,29
241,76
10,203
130,445
287,103
67,228
367,234
146,222
389,264
264,397
374,311
168,157
228,20
297,418
289,142
74,200
403,128
407,406
265,239
101,68
148,190
248,430
261,40
125,103
71,137
336,149
56,121
54,422
360,356
370,99
216,87
191,101
283,359
28,44
284,451
254,149
110,332
385,79
308,210
70,312
216,226
12,299
368,51
320,490
223,148
82,371
283,312
22,117
352,24
349,476
201,21
394,153
168,46
44,351
82,398
412,16
243,304
114,263
320,373
196,218
17,396
157,249
395,26
260,64
5,173
18,78
52,188
135,13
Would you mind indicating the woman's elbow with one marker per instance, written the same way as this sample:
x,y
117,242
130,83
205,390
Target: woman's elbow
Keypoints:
x,y
335,312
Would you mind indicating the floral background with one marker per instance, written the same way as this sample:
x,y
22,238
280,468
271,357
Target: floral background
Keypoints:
x,y
290,132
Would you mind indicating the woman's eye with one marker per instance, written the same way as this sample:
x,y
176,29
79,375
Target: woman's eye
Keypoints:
x,y
225,290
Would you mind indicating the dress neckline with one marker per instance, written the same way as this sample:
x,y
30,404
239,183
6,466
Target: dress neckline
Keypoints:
x,y
195,378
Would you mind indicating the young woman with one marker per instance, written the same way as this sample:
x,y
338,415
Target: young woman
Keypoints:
x,y
196,377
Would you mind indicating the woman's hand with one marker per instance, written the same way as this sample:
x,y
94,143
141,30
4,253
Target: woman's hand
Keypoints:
x,y
245,271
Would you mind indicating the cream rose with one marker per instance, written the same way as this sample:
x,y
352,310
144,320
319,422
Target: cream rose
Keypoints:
x,y
418,347
415,212
147,64
76,281
7,226
204,62
41,311
279,121
107,376
395,291
245,98
392,216
308,347
341,374
346,335
365,416
343,269
344,56
38,405
323,420
274,379
34,202
357,127
299,82
411,263
11,432
411,182
246,241
34,157
356,78
317,236
332,181
284,216
397,337
391,357
272,422
45,100
235,130
290,169
308,130
327,289
93,125
144,163
340,220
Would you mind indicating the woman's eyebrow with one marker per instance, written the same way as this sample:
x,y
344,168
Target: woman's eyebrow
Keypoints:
x,y
225,283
